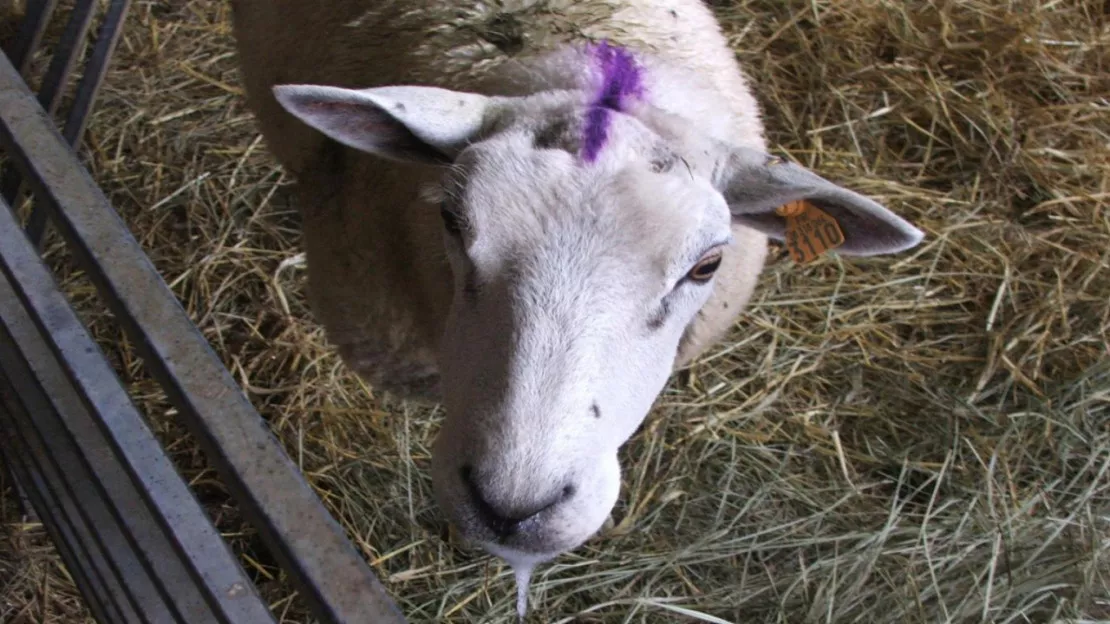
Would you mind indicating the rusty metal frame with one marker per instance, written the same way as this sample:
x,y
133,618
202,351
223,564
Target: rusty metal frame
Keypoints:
x,y
137,542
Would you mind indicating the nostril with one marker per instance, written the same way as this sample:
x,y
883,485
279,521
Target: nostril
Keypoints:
x,y
568,491
501,524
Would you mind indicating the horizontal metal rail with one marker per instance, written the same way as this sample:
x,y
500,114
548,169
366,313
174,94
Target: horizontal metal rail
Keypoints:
x,y
59,392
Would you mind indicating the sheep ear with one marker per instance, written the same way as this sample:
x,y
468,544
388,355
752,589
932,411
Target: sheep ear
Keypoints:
x,y
404,123
755,183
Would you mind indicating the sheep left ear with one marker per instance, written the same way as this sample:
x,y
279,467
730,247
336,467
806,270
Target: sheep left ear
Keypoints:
x,y
755,183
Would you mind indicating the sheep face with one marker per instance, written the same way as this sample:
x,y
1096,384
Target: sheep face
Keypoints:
x,y
574,281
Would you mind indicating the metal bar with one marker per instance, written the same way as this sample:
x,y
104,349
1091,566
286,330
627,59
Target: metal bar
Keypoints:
x,y
272,492
45,477
65,55
95,478
31,29
26,509
59,534
53,83
95,69
87,90
225,585
22,49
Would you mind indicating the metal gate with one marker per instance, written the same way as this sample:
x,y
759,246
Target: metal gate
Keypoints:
x,y
131,533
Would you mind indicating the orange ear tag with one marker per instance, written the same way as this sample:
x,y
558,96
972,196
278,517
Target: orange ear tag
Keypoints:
x,y
810,231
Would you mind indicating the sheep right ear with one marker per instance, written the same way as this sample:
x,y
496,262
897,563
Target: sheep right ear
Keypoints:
x,y
405,123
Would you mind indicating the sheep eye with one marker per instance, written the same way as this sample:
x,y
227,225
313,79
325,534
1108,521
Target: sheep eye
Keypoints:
x,y
450,221
705,268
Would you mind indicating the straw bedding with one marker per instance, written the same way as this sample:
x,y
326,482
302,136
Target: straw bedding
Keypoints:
x,y
920,438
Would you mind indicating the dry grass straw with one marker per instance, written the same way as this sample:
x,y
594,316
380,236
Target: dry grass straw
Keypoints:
x,y
922,438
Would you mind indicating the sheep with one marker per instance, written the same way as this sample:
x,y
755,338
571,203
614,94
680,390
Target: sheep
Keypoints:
x,y
533,212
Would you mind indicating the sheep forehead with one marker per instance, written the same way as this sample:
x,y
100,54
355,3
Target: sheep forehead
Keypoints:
x,y
539,162
524,200
606,97
599,162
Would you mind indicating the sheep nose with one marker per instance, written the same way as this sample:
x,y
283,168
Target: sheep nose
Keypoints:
x,y
503,520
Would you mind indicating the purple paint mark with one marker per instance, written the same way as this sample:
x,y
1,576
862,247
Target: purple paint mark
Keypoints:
x,y
620,81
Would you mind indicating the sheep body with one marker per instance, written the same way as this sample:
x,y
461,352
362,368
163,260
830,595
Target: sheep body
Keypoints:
x,y
596,214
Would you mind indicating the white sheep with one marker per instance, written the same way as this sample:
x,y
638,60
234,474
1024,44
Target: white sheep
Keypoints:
x,y
564,201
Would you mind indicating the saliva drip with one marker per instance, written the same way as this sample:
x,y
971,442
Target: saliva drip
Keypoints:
x,y
523,573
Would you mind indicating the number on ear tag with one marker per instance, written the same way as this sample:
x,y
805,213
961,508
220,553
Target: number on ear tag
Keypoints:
x,y
810,231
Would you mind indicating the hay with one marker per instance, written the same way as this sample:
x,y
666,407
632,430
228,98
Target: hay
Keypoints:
x,y
920,438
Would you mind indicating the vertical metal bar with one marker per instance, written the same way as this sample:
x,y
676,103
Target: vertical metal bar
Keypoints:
x,y
87,90
65,55
26,509
55,80
30,34
95,69
22,50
